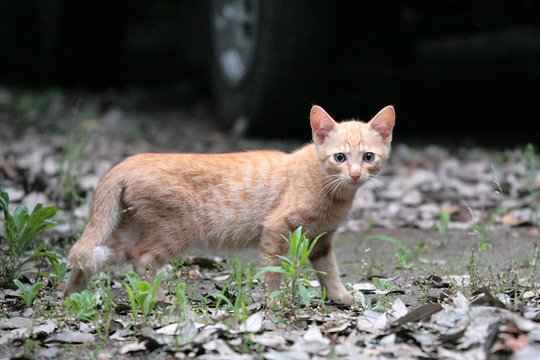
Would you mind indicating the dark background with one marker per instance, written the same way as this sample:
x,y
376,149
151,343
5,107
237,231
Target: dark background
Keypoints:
x,y
458,72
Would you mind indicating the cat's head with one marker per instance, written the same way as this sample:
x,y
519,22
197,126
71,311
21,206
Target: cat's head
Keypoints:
x,y
351,152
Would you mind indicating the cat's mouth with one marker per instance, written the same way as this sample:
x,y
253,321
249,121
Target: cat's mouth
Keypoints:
x,y
355,182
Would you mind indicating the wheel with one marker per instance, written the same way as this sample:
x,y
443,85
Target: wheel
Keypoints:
x,y
263,61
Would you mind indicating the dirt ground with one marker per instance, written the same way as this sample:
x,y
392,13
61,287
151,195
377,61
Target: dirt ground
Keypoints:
x,y
54,148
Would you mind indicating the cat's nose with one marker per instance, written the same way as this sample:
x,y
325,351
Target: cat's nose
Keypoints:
x,y
355,177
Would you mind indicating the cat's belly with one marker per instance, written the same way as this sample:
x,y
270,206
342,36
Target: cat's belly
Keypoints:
x,y
228,232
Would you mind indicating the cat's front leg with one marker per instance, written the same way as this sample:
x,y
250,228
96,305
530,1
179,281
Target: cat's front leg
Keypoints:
x,y
323,259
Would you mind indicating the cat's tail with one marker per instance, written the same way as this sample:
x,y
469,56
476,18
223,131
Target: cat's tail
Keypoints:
x,y
92,252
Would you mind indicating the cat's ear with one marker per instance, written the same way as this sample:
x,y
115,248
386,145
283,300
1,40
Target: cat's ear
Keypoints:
x,y
322,124
383,123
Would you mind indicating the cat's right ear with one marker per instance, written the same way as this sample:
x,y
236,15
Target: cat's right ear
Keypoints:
x,y
322,124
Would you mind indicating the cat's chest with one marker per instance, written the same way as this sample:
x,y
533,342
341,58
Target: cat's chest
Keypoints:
x,y
324,217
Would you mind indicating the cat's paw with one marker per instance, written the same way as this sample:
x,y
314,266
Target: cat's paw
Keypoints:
x,y
342,297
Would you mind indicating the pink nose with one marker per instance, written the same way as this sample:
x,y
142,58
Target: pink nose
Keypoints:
x,y
355,177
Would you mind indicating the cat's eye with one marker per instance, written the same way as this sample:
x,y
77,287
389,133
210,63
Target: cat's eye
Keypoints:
x,y
368,157
340,157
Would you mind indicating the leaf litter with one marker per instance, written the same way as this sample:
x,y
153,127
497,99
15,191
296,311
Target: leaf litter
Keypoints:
x,y
420,186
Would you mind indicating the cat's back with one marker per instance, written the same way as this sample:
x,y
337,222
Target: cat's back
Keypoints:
x,y
224,196
204,169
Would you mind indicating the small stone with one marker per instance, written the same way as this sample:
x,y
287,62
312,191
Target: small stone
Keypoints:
x,y
425,224
46,328
15,323
409,214
28,313
412,198
82,211
50,166
15,194
34,198
88,182
49,353
85,328
429,211
71,337
15,334
253,323
105,356
393,209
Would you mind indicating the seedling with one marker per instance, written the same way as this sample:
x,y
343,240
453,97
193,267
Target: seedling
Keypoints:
x,y
238,301
384,285
484,232
86,306
294,267
472,266
69,168
83,305
29,294
442,227
60,269
364,302
180,305
142,294
21,229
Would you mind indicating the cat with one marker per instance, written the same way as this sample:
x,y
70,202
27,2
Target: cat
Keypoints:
x,y
151,207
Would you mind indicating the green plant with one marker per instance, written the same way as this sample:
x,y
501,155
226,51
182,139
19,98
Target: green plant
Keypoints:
x,y
41,105
364,301
180,305
472,267
29,293
237,301
442,227
142,294
86,306
83,305
484,232
21,229
384,284
103,325
69,168
404,255
294,266
60,269
534,266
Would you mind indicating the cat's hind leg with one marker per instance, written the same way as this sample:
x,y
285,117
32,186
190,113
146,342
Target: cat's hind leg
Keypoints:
x,y
77,281
88,259
148,258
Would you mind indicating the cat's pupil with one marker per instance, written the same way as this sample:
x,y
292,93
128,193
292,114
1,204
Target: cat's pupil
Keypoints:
x,y
339,157
369,157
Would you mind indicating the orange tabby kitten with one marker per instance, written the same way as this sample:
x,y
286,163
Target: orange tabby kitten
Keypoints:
x,y
151,207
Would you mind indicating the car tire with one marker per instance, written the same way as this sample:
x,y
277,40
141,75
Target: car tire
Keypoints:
x,y
272,82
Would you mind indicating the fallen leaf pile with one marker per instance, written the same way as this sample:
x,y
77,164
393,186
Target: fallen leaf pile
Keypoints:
x,y
456,329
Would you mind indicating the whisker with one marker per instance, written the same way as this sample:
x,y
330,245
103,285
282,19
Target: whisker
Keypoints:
x,y
377,184
330,185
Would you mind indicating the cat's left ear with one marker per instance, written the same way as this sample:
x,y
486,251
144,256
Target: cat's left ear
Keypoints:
x,y
322,124
383,123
